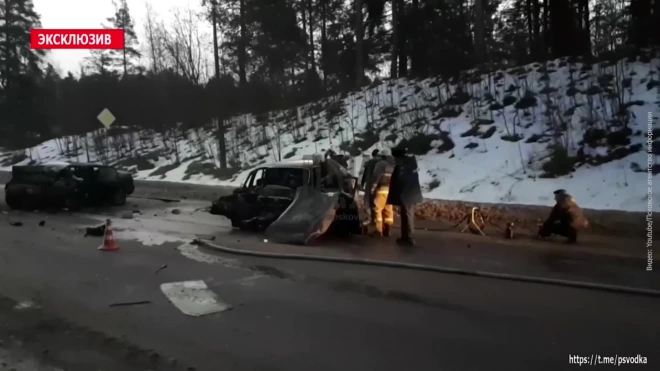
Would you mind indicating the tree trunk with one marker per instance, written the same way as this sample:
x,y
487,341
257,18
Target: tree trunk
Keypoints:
x,y
324,41
124,58
479,32
359,36
530,27
546,29
303,13
8,25
587,28
242,46
395,40
417,65
536,30
312,59
222,146
403,39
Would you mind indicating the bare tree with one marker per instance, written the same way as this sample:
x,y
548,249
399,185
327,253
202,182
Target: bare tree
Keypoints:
x,y
184,45
155,50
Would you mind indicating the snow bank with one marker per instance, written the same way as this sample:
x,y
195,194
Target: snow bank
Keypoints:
x,y
470,129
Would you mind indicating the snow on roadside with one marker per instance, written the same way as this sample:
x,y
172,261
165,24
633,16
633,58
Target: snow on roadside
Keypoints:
x,y
479,167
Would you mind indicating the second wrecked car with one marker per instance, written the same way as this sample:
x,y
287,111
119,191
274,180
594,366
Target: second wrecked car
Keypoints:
x,y
294,201
67,185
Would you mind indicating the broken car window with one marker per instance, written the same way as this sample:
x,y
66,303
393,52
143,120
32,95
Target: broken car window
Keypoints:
x,y
285,177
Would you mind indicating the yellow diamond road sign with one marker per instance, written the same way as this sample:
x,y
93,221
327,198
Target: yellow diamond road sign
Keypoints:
x,y
106,117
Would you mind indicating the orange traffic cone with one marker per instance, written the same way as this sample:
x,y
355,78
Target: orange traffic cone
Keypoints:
x,y
109,242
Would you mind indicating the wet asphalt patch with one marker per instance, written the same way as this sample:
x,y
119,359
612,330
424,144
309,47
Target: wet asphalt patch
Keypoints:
x,y
354,287
57,342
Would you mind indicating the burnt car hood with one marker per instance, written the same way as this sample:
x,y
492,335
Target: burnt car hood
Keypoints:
x,y
310,215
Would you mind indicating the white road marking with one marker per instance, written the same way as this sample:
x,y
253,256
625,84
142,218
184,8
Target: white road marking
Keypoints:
x,y
193,298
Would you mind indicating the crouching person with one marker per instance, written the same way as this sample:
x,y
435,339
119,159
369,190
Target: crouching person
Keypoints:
x,y
565,219
378,188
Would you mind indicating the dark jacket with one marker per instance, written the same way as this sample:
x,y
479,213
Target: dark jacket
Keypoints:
x,y
381,174
404,186
368,171
340,159
567,212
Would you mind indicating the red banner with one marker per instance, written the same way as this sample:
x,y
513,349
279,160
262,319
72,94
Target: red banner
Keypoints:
x,y
77,39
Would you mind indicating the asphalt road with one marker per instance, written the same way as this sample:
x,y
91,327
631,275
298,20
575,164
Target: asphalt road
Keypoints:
x,y
57,289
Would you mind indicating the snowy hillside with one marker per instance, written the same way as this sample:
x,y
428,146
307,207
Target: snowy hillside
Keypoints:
x,y
492,138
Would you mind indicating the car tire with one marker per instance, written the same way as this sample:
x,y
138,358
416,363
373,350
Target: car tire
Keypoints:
x,y
11,201
119,197
235,222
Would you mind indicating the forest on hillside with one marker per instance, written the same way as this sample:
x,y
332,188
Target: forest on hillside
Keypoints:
x,y
272,55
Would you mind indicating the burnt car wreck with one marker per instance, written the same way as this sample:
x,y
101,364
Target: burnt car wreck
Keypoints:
x,y
295,202
67,185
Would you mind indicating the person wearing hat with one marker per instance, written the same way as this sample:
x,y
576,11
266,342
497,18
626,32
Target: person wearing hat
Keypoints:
x,y
377,188
565,219
405,192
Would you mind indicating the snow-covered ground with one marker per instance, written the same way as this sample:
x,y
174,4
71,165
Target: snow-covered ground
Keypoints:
x,y
483,139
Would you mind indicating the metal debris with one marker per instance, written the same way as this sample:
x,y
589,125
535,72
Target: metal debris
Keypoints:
x,y
129,303
98,231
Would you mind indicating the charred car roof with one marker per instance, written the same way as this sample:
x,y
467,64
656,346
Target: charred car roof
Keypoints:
x,y
39,168
334,166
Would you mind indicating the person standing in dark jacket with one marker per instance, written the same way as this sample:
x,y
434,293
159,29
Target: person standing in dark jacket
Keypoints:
x,y
369,168
405,192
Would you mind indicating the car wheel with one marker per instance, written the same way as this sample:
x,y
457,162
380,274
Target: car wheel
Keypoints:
x,y
119,198
235,222
11,201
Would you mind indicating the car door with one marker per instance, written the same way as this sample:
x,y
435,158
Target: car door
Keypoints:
x,y
246,197
83,173
254,184
107,180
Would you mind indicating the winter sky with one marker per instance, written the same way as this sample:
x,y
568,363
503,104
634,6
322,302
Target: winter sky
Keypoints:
x,y
92,14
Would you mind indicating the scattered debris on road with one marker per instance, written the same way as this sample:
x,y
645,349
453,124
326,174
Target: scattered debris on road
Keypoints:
x,y
98,231
130,303
16,224
25,305
42,223
193,298
168,200
161,268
